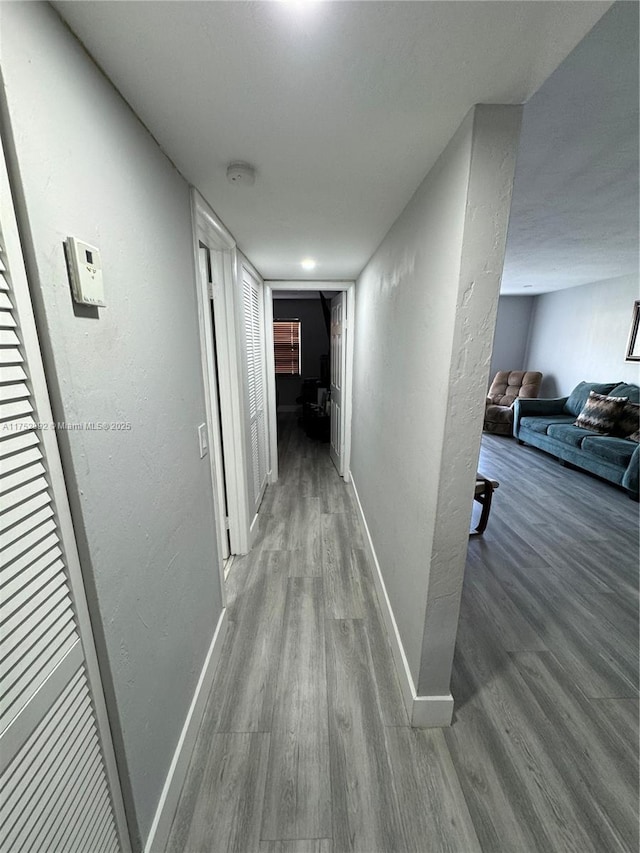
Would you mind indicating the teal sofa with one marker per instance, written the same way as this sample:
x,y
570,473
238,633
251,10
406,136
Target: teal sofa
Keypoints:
x,y
549,425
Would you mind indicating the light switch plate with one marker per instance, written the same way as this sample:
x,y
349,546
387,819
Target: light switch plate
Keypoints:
x,y
85,266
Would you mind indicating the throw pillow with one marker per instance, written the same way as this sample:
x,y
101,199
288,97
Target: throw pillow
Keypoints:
x,y
635,436
629,420
601,413
579,395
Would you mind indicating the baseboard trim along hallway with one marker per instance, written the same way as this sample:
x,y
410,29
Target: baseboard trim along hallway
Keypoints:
x,y
165,813
423,711
254,530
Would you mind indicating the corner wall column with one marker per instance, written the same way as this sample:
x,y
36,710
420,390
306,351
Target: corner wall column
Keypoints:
x,y
496,132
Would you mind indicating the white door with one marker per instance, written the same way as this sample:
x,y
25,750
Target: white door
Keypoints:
x,y
338,370
59,788
253,303
207,260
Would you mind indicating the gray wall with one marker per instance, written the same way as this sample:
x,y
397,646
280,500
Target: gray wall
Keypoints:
x,y
512,333
142,499
425,314
582,333
315,342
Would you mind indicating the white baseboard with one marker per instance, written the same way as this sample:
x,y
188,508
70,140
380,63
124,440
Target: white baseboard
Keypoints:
x,y
227,565
423,711
431,712
161,826
254,530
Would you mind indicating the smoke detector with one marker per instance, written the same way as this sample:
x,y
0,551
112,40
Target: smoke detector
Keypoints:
x,y
242,174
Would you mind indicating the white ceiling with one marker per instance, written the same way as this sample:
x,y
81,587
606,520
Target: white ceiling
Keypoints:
x,y
342,107
574,214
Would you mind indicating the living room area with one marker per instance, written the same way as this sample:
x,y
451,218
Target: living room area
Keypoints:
x,y
546,665
548,634
545,676
568,312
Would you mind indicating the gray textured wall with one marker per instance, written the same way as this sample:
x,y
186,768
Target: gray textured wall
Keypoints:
x,y
142,498
425,311
582,333
512,333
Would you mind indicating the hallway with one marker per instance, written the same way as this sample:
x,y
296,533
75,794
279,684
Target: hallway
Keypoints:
x,y
305,745
305,735
416,156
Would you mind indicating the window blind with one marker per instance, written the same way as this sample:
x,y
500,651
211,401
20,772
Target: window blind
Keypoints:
x,y
286,339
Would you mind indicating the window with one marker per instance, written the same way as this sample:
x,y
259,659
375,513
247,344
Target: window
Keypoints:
x,y
286,338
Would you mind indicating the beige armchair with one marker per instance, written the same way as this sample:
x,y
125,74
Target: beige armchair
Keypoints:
x,y
506,386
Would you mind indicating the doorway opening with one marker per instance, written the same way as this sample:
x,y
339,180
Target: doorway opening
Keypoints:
x,y
309,360
216,259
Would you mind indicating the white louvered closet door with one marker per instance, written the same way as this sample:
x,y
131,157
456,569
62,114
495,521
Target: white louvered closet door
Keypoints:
x,y
58,782
256,380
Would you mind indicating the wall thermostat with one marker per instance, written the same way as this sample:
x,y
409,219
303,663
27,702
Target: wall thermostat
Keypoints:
x,y
85,267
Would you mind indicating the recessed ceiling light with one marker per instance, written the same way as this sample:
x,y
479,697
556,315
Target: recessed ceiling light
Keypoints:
x,y
300,12
299,4
308,264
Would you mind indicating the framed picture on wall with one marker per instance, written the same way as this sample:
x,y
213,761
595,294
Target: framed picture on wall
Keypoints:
x,y
633,349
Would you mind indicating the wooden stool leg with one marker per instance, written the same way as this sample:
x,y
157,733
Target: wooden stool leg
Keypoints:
x,y
485,500
486,509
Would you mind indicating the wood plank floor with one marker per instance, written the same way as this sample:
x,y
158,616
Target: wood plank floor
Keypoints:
x,y
305,745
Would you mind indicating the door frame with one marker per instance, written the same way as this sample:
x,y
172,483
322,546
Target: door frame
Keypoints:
x,y
214,429
209,230
346,287
334,390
